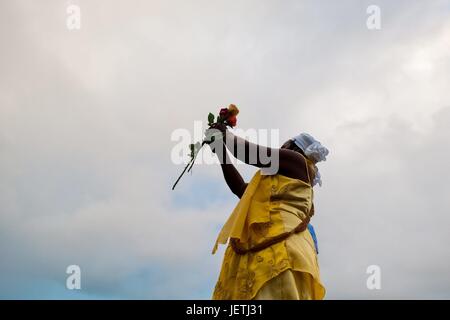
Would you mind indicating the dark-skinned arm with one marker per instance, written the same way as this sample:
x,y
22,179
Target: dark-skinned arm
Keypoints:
x,y
290,163
232,176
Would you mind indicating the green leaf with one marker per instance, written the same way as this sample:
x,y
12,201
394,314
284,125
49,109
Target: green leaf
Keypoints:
x,y
210,118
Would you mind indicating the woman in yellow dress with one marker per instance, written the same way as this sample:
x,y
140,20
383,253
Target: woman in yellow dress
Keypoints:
x,y
271,253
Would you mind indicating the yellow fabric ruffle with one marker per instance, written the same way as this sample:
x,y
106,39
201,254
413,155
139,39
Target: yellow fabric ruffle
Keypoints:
x,y
235,225
289,285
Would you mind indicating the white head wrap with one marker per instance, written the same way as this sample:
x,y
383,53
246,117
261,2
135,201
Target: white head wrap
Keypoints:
x,y
314,150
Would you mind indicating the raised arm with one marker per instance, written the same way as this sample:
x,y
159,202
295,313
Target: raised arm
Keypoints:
x,y
232,177
290,163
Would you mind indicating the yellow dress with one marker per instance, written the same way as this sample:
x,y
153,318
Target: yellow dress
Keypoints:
x,y
271,205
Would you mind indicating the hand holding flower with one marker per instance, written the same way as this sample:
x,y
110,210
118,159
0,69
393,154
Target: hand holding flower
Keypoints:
x,y
227,118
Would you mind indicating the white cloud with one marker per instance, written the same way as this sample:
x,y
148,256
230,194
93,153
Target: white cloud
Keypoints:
x,y
86,119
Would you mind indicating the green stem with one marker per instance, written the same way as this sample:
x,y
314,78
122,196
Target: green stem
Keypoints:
x,y
195,157
182,173
189,165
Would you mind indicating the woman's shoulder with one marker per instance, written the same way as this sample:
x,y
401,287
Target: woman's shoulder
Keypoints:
x,y
294,165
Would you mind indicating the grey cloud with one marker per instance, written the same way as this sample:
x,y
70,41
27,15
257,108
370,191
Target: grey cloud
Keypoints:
x,y
86,118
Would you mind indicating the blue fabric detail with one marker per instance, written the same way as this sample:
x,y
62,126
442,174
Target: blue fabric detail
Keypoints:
x,y
313,235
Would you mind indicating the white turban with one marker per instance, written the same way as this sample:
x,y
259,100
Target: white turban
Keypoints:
x,y
314,150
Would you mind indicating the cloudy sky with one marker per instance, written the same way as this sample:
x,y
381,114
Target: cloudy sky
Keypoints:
x,y
86,124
